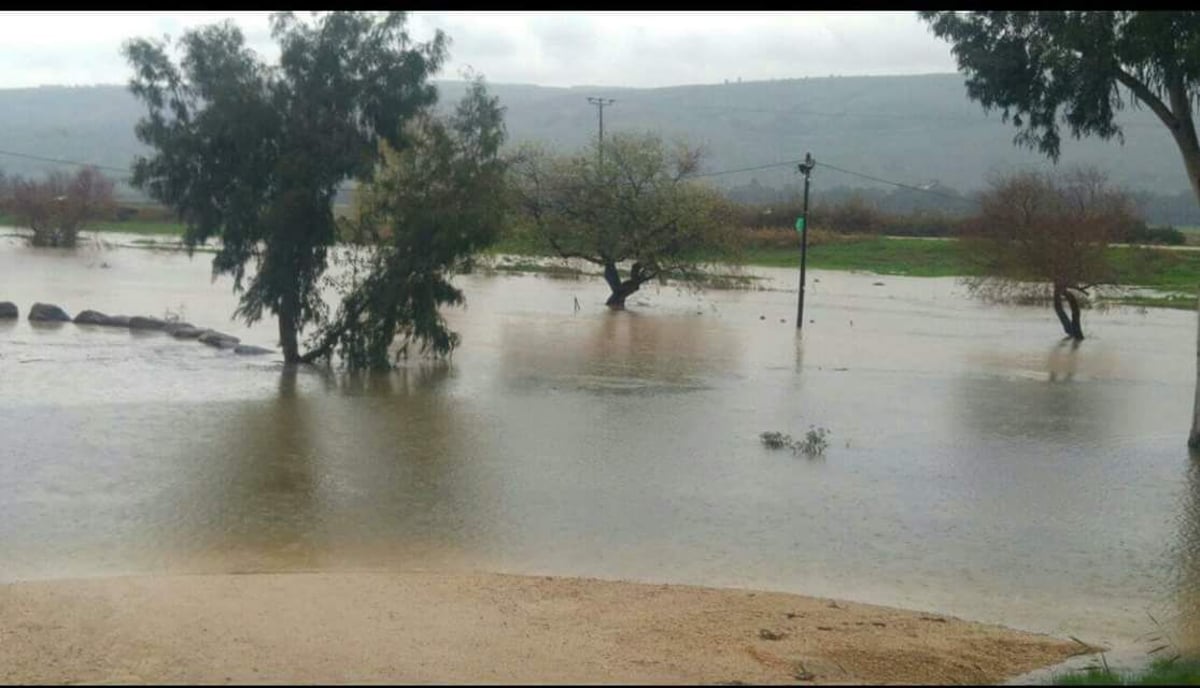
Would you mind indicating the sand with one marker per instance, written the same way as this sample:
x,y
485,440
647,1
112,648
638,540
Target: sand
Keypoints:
x,y
426,627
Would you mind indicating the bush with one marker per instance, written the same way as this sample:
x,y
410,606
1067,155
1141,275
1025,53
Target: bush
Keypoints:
x,y
852,216
1168,236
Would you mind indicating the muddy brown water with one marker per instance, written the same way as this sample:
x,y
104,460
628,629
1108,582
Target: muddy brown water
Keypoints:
x,y
977,466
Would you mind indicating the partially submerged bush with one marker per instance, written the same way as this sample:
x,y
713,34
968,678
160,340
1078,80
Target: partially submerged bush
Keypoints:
x,y
813,444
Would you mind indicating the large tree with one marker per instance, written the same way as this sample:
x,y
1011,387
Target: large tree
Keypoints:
x,y
253,154
427,210
630,201
1042,237
1082,67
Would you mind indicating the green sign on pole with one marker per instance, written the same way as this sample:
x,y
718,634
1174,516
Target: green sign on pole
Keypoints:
x,y
800,224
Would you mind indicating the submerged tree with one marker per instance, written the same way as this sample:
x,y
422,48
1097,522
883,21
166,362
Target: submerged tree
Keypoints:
x,y
635,204
58,207
1041,237
253,154
427,210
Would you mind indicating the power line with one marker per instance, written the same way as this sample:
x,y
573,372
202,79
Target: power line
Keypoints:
x,y
39,158
766,166
899,184
789,163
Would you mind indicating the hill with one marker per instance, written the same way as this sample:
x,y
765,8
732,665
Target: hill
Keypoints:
x,y
917,130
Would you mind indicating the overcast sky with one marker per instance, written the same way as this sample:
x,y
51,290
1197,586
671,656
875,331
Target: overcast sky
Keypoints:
x,y
642,49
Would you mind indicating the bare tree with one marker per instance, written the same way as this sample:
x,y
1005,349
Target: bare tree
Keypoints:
x,y
1044,238
59,206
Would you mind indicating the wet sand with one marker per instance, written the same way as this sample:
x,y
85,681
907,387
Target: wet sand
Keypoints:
x,y
428,627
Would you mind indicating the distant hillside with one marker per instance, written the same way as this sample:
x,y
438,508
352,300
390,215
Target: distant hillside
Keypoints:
x,y
911,129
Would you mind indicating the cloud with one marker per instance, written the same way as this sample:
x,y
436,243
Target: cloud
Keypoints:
x,y
641,49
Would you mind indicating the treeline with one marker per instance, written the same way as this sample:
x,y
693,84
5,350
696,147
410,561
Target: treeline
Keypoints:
x,y
936,199
858,214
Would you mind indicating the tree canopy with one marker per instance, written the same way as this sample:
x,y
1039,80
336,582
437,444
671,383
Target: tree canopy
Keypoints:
x,y
426,211
253,154
635,204
1080,67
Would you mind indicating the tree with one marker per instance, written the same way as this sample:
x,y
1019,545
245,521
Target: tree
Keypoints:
x,y
1040,66
1041,237
636,205
253,154
58,207
1080,67
428,209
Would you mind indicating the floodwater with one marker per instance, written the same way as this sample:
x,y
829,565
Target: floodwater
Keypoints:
x,y
977,466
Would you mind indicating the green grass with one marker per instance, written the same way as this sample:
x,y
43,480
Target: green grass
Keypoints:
x,y
1183,302
883,255
1160,673
1156,268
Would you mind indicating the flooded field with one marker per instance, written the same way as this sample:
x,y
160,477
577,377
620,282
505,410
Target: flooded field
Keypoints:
x,y
977,466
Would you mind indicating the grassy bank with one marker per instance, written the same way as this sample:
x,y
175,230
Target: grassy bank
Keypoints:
x,y
1154,268
1160,673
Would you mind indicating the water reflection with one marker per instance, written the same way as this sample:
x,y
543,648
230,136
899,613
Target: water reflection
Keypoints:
x,y
1187,565
1063,361
619,351
977,466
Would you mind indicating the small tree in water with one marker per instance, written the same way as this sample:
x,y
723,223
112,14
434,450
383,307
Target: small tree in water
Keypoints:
x,y
1044,238
58,207
634,205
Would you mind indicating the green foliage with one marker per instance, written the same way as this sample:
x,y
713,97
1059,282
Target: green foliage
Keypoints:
x,y
1168,236
813,445
630,200
254,154
429,208
1036,66
1159,673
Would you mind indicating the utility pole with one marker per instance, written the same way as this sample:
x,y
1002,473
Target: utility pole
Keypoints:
x,y
600,103
805,168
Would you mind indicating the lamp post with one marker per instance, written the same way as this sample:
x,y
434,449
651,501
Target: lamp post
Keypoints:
x,y
805,168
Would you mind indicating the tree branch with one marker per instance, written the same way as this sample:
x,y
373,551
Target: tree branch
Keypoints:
x,y
1147,96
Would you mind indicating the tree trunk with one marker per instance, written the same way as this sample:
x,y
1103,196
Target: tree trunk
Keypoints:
x,y
621,290
1189,147
1194,437
287,330
1076,328
1070,325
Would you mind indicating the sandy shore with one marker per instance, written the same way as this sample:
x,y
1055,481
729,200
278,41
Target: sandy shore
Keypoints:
x,y
423,627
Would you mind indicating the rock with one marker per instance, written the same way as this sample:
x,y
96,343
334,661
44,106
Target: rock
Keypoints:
x,y
118,321
90,317
139,322
8,309
187,332
172,327
250,350
46,312
877,284
218,339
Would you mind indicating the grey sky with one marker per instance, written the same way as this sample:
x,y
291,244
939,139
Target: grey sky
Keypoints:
x,y
642,49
